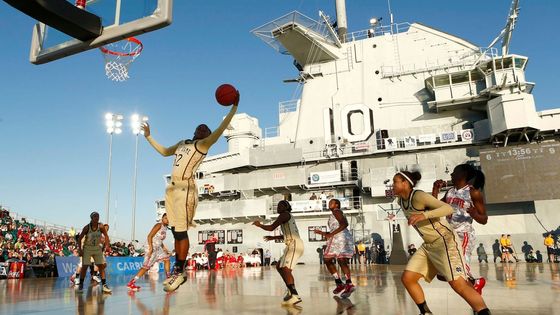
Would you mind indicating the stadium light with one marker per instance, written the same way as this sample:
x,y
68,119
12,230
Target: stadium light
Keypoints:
x,y
113,122
136,122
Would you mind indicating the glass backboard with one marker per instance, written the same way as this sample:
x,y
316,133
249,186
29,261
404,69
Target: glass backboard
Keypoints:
x,y
120,19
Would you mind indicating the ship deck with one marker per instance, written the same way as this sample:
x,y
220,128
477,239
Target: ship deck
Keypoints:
x,y
511,289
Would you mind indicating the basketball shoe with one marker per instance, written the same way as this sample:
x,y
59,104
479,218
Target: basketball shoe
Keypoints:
x,y
292,299
348,289
177,278
132,286
478,284
106,289
339,288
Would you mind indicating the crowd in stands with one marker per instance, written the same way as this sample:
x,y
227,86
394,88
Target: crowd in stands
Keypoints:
x,y
224,260
27,242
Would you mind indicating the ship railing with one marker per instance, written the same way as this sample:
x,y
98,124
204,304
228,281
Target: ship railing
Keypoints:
x,y
402,142
268,31
377,31
318,205
467,60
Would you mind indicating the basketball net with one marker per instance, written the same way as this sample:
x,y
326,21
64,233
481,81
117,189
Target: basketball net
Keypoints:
x,y
119,56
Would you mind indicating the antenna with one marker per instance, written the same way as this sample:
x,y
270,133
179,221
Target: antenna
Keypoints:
x,y
510,26
505,34
392,20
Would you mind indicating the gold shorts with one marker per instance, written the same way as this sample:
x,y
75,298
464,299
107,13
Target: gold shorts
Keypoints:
x,y
441,257
94,253
181,199
292,252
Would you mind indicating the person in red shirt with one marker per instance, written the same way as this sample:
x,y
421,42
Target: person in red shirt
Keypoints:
x,y
240,261
210,249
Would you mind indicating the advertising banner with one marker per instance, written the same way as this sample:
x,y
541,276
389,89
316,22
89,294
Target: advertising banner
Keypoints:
x,y
325,177
66,266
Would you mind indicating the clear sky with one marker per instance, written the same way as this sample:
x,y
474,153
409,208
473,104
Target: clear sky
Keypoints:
x,y
53,145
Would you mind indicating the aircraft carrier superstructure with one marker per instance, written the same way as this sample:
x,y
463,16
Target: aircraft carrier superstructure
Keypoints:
x,y
397,96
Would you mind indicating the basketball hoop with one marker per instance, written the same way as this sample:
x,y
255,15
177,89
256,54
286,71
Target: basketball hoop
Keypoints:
x,y
118,57
391,217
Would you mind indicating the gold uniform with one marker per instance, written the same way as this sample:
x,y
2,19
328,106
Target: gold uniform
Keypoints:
x,y
294,244
91,249
181,195
440,253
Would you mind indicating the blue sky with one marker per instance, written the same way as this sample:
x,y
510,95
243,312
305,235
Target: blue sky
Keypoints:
x,y
53,147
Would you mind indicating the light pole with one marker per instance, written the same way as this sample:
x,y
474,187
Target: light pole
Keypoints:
x,y
113,122
136,122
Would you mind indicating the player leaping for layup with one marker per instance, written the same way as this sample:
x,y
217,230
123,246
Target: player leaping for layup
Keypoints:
x,y
181,195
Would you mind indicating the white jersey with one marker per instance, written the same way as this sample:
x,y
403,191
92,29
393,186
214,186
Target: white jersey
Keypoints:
x,y
187,160
460,200
290,230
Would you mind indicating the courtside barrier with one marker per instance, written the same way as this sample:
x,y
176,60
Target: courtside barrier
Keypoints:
x,y
66,266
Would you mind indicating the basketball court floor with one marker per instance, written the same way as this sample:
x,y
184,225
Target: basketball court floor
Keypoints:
x,y
511,289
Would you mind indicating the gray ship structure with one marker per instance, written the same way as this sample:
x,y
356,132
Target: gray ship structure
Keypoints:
x,y
397,96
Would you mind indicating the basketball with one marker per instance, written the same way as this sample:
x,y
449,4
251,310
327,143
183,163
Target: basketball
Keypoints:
x,y
226,94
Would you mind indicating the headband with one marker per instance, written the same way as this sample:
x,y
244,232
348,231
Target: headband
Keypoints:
x,y
407,178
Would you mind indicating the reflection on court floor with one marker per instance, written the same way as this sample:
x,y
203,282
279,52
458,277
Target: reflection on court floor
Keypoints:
x,y
511,289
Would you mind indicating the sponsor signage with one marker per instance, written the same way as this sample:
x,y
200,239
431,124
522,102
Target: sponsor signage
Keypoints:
x,y
427,138
390,143
467,135
325,177
449,136
410,142
66,266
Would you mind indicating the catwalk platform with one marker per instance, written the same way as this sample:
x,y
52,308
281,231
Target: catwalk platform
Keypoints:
x,y
511,289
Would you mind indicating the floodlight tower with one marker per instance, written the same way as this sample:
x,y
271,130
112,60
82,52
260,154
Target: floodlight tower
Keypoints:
x,y
113,122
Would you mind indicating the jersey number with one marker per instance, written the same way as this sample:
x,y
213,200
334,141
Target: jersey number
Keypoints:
x,y
178,158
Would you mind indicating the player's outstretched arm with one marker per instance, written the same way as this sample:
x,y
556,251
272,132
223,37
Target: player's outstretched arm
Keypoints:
x,y
205,144
161,149
282,218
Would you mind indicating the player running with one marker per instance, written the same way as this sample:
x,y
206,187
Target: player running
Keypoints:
x,y
467,201
156,250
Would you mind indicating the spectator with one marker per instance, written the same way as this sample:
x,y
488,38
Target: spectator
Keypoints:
x,y
361,247
531,258
313,197
323,198
549,243
481,252
267,257
373,251
72,232
526,249
368,255
539,256
511,248
320,252
496,251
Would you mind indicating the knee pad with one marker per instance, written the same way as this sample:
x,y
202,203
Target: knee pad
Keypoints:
x,y
179,236
342,261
